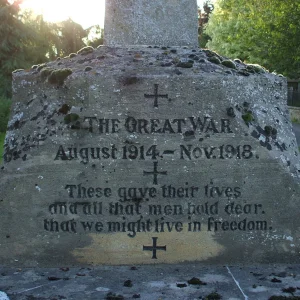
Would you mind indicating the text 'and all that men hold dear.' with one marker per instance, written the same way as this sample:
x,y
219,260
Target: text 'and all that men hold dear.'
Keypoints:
x,y
134,202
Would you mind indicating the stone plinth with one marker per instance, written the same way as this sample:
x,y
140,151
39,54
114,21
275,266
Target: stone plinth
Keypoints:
x,y
145,156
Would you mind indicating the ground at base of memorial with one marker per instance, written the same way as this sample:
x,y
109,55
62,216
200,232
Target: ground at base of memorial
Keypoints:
x,y
189,281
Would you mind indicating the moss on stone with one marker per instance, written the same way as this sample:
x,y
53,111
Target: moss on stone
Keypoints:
x,y
196,281
230,112
253,68
69,118
244,72
213,296
86,50
129,80
64,109
46,72
128,283
248,117
214,59
268,130
186,65
59,76
274,131
113,296
18,70
209,53
41,66
229,64
284,298
237,60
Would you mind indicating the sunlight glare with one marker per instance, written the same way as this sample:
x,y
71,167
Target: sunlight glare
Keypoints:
x,y
86,13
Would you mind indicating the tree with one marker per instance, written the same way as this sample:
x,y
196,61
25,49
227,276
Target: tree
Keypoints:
x,y
95,36
27,40
43,46
71,37
203,18
266,32
14,36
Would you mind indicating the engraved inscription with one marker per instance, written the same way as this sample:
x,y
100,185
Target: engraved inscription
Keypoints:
x,y
162,191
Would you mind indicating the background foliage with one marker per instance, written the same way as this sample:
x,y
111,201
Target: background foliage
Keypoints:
x,y
26,40
257,31
4,112
266,32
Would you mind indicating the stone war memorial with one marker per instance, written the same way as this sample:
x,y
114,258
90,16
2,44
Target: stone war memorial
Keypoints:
x,y
149,150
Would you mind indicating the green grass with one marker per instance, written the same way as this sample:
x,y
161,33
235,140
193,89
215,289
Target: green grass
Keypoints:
x,y
2,136
296,120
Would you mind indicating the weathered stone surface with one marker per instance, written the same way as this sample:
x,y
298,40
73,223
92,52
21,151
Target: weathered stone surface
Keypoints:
x,y
159,22
150,148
